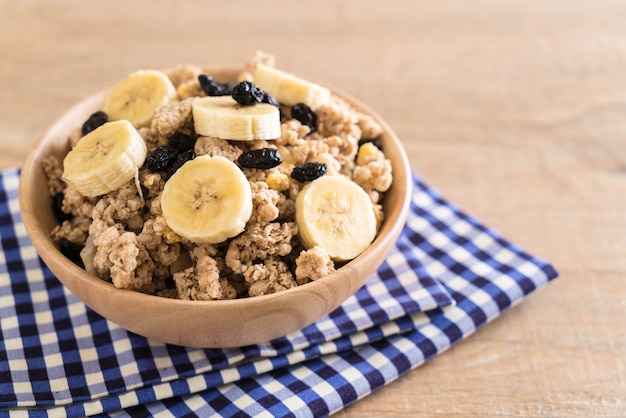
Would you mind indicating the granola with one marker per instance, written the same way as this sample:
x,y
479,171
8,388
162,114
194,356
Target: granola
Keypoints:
x,y
127,241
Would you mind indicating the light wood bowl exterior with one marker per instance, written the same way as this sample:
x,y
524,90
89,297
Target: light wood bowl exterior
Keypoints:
x,y
207,324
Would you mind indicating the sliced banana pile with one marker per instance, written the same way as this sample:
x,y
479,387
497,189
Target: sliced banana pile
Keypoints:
x,y
111,155
208,200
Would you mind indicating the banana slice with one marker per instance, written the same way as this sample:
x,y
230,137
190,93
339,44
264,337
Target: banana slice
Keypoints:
x,y
138,95
335,213
208,200
222,117
105,159
289,89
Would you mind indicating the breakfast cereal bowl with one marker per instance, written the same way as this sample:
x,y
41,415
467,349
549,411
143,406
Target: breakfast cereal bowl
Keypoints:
x,y
197,323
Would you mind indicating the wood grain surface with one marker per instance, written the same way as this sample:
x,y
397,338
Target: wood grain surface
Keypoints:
x,y
515,111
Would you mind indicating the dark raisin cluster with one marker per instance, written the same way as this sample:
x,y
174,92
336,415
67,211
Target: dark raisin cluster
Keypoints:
x,y
247,93
182,159
212,87
181,141
169,158
305,115
161,158
184,144
308,171
94,121
263,158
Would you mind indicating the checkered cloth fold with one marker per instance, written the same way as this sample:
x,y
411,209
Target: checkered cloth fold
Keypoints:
x,y
447,276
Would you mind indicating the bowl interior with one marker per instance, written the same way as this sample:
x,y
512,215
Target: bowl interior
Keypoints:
x,y
209,324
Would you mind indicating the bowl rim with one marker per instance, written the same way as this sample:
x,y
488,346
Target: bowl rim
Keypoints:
x,y
387,235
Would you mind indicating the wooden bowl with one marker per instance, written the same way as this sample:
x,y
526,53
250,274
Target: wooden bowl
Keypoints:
x,y
207,324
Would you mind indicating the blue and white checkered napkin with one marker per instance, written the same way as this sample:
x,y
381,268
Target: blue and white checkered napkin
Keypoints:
x,y
447,276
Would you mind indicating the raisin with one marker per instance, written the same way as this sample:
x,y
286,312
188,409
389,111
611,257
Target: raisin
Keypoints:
x,y
161,158
181,142
209,86
305,115
247,93
212,87
57,205
94,121
227,89
261,158
187,155
184,157
374,141
70,250
173,169
308,171
269,100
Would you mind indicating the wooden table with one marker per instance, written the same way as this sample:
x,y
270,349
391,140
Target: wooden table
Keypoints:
x,y
515,110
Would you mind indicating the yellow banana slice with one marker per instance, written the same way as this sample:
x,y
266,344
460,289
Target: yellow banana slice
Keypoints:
x,y
222,117
138,95
208,200
288,89
105,159
336,214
